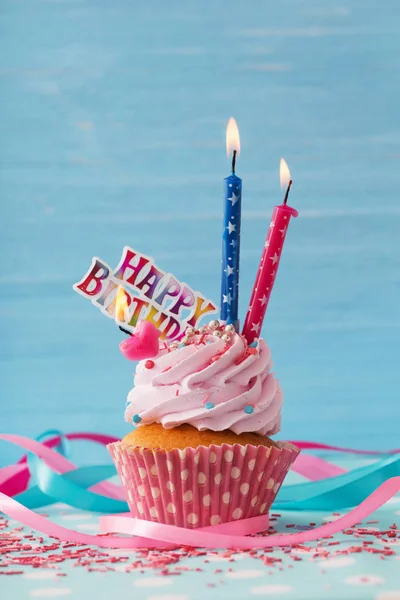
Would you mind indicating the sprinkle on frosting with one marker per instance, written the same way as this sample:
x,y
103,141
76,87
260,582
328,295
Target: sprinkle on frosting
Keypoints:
x,y
245,395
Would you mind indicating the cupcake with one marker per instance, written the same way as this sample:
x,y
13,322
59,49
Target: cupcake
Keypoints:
x,y
201,453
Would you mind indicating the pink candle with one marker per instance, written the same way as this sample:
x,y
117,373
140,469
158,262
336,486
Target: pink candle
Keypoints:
x,y
143,343
269,261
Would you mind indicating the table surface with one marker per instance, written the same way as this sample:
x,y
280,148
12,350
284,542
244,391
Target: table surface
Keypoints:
x,y
112,120
362,564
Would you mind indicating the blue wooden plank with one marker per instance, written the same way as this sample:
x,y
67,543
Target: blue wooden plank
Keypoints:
x,y
112,118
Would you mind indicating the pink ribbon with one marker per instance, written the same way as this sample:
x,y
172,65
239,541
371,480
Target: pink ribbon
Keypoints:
x,y
206,539
156,535
315,468
317,446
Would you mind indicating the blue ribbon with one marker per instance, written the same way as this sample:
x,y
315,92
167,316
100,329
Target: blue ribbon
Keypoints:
x,y
69,488
342,491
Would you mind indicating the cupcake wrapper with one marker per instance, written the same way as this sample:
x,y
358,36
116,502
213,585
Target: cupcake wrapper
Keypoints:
x,y
203,486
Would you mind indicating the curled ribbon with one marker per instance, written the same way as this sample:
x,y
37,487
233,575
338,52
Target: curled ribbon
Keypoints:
x,y
55,478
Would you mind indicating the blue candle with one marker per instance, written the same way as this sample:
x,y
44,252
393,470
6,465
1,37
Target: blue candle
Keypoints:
x,y
231,233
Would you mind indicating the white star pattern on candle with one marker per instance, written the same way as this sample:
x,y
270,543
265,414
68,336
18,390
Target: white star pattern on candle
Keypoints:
x,y
274,258
231,227
230,270
272,224
266,244
234,199
256,327
227,298
233,244
263,300
283,231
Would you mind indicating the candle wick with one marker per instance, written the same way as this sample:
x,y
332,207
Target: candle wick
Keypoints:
x,y
234,161
287,192
125,331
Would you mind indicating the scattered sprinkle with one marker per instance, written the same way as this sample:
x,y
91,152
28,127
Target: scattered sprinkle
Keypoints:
x,y
240,359
149,364
136,419
248,409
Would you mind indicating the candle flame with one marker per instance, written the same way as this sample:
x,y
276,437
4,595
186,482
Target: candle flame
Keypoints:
x,y
121,306
284,174
232,137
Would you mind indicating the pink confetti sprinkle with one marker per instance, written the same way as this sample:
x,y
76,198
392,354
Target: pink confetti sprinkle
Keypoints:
x,y
240,359
11,572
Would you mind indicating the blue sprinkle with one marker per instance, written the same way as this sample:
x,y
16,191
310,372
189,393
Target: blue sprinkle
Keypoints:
x,y
248,409
136,419
209,342
182,346
209,405
253,345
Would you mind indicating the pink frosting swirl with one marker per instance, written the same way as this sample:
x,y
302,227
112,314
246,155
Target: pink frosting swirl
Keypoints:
x,y
209,385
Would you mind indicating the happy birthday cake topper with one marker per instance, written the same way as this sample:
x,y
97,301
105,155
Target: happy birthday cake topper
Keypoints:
x,y
138,289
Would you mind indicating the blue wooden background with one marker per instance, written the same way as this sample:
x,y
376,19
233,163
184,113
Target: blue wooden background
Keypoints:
x,y
112,129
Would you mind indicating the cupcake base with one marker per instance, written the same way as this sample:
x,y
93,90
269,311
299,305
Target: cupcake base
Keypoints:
x,y
198,487
155,436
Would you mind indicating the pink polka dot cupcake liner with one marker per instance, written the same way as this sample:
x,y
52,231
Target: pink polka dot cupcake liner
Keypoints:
x,y
203,486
